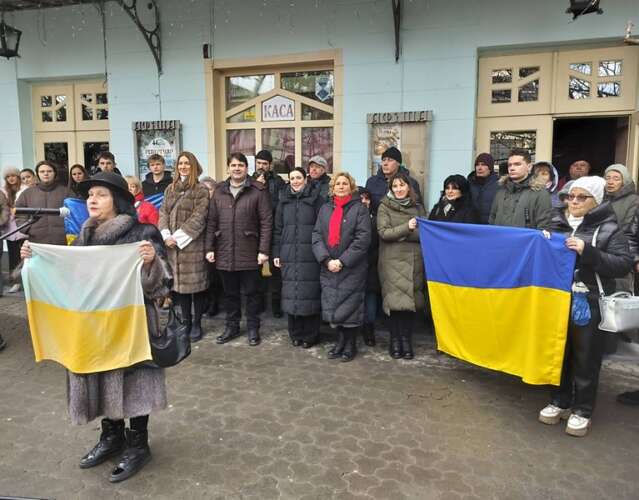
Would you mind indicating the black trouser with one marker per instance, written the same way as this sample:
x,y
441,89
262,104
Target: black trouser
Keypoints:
x,y
275,281
401,323
582,362
233,282
14,253
187,300
215,286
304,328
139,424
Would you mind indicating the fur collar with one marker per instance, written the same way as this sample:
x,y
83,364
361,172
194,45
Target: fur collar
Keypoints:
x,y
107,232
530,182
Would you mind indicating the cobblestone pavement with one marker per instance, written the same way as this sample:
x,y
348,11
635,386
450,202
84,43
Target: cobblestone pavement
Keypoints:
x,y
280,422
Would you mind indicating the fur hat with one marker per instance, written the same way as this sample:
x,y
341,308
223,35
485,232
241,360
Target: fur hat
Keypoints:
x,y
593,184
393,153
7,171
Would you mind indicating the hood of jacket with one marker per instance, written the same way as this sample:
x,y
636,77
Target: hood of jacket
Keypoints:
x,y
529,182
168,177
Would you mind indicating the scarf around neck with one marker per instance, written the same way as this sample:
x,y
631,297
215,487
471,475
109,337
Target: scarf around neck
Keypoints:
x,y
404,202
335,222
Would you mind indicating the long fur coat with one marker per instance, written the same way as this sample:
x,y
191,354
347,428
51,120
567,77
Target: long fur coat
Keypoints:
x,y
138,390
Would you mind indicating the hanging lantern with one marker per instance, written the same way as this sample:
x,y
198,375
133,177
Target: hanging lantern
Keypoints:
x,y
9,40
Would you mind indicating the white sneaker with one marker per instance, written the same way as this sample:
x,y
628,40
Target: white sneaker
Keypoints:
x,y
577,425
15,288
552,414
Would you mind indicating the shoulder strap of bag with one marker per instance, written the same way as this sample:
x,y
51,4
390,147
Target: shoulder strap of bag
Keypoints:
x,y
594,244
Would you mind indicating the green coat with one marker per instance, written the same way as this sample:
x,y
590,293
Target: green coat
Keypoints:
x,y
521,204
400,264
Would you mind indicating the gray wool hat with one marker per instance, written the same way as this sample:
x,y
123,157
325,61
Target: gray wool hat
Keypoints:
x,y
618,167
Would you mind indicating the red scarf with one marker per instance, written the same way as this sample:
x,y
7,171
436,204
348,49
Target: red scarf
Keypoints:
x,y
335,222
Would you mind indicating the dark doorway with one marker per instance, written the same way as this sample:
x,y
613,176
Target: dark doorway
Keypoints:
x,y
600,141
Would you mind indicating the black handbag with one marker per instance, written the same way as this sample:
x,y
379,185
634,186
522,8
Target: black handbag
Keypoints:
x,y
174,345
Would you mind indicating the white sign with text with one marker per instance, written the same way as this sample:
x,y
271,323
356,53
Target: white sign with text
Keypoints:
x,y
278,109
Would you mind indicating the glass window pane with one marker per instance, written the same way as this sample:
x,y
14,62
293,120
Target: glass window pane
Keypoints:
x,y
281,143
240,141
248,115
101,99
609,68
529,92
46,101
86,97
502,75
578,88
317,141
609,89
87,112
58,153
60,99
500,96
502,142
61,114
525,72
102,114
316,85
240,89
310,113
583,68
47,116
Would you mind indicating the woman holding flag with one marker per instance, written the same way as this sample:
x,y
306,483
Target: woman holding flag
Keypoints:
x,y
132,392
602,249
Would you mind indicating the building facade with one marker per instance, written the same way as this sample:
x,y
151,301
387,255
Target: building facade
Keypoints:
x,y
303,77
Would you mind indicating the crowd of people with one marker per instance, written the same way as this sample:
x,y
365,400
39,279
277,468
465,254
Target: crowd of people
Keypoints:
x,y
329,251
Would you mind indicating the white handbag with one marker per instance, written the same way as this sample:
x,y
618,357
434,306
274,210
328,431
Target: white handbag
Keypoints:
x,y
619,311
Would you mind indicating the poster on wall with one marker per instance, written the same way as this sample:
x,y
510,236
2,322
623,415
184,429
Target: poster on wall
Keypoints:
x,y
156,137
383,137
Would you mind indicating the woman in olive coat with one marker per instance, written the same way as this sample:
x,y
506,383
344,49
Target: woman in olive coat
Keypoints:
x,y
182,224
295,217
401,268
341,240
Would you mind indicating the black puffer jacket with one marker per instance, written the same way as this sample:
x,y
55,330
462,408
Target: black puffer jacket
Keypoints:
x,y
461,210
295,218
610,258
343,292
274,184
483,191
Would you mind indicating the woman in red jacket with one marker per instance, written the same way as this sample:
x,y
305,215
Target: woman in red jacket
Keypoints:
x,y
147,213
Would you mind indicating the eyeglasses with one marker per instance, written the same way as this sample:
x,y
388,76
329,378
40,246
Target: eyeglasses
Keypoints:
x,y
580,198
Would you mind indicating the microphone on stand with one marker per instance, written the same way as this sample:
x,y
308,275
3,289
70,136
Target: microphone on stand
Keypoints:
x,y
62,212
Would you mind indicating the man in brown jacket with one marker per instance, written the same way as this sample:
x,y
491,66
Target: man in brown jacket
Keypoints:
x,y
238,240
46,194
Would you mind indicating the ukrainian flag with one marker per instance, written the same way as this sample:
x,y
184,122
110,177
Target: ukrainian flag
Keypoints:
x,y
78,213
86,306
156,199
500,296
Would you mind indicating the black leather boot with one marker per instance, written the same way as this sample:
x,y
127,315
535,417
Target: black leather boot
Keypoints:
x,y
350,346
254,337
407,345
110,444
136,455
196,331
230,332
336,351
395,346
368,333
276,305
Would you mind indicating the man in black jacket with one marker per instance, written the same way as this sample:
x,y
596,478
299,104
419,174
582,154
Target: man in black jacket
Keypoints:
x,y
158,179
317,167
274,183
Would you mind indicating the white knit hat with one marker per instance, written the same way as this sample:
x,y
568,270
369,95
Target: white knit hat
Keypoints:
x,y
593,184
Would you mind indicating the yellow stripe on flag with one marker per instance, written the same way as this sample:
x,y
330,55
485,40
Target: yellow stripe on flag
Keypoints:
x,y
502,329
89,342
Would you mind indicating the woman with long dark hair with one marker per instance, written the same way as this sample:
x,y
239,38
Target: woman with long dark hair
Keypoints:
x,y
77,174
134,392
182,224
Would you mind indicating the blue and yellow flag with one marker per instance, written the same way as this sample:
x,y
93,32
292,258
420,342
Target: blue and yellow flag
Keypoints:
x,y
86,306
500,296
78,213
156,199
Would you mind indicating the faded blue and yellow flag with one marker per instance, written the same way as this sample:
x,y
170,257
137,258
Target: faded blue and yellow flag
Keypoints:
x,y
500,296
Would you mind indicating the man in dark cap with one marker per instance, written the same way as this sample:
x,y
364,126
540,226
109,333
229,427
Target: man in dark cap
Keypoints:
x,y
274,183
483,185
377,184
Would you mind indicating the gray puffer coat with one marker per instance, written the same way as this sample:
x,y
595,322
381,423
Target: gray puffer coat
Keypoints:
x,y
401,267
343,292
295,218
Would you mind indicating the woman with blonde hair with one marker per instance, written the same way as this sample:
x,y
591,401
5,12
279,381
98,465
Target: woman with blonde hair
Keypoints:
x,y
12,188
341,239
147,213
182,224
